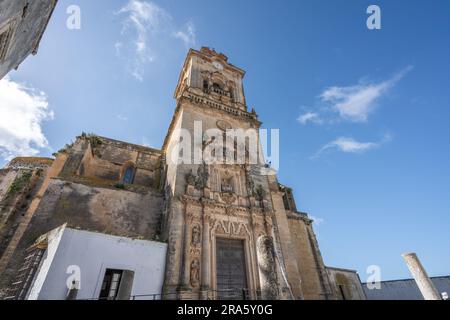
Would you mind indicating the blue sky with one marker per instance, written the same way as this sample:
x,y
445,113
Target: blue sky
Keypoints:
x,y
363,114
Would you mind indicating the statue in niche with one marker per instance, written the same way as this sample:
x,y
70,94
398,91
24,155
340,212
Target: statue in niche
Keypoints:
x,y
195,272
259,193
190,178
202,177
227,185
195,241
250,186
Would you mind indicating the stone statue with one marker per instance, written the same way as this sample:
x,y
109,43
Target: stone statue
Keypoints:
x,y
195,273
250,186
190,178
226,186
259,193
202,177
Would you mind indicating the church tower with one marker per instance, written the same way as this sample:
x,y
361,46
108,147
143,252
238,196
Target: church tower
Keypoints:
x,y
227,220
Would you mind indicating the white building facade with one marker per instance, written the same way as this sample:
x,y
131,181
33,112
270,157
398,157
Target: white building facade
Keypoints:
x,y
82,265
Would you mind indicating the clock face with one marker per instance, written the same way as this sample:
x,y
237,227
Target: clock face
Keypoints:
x,y
217,65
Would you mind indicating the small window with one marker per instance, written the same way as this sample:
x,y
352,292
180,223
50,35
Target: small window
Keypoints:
x,y
110,285
128,176
205,85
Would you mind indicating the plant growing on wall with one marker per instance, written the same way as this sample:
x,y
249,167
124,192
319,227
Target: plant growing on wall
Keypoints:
x,y
19,183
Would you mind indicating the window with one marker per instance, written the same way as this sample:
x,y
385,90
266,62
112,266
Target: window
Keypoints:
x,y
205,85
128,176
217,88
117,285
110,285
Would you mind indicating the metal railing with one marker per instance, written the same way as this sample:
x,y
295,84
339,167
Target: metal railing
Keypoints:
x,y
226,294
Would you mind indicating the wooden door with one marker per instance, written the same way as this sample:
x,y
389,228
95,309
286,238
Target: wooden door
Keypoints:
x,y
230,269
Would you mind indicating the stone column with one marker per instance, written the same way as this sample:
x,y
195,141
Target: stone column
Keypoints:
x,y
424,283
174,260
186,247
206,257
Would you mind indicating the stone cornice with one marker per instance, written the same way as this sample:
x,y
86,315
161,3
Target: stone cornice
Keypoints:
x,y
298,216
204,101
207,103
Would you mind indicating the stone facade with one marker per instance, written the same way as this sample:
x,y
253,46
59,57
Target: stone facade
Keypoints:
x,y
112,187
22,24
254,208
84,188
346,284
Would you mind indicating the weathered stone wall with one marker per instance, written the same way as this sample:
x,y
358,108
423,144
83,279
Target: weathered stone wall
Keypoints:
x,y
19,183
315,283
27,21
7,176
345,284
287,245
107,159
105,210
84,190
111,211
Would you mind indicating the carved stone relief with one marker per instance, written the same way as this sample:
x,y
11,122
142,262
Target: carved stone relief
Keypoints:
x,y
195,246
200,180
195,273
266,262
195,241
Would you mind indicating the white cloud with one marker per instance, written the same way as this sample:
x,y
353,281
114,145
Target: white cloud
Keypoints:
x,y
350,145
118,46
22,111
309,117
145,27
121,117
187,34
353,103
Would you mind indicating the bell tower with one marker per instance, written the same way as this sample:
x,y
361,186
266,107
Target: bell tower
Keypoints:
x,y
208,74
220,220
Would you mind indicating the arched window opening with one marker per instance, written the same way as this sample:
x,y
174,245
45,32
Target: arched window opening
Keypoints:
x,y
217,88
205,85
128,175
